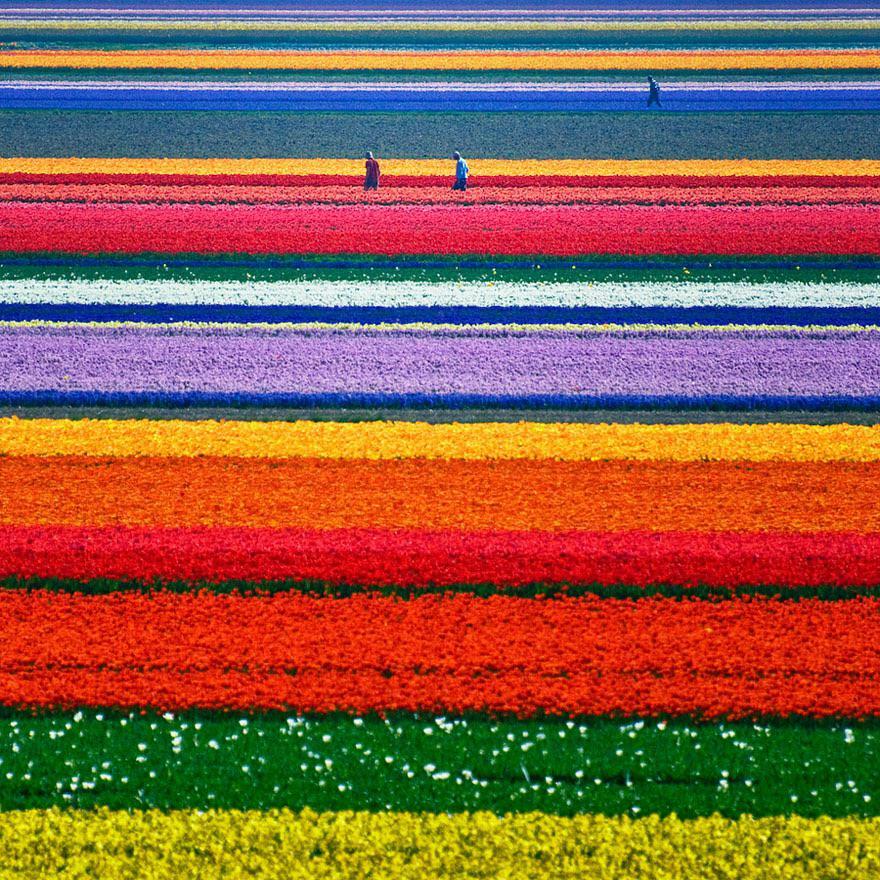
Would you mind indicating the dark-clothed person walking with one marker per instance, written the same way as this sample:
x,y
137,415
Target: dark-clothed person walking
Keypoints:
x,y
461,172
371,181
653,93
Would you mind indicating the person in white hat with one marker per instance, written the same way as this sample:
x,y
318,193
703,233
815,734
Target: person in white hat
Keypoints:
x,y
371,181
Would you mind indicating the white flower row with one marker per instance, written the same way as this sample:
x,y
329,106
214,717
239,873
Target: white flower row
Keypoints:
x,y
413,293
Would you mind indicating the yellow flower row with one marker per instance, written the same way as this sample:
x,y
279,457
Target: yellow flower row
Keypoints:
x,y
403,440
279,327
776,59
423,167
394,846
226,24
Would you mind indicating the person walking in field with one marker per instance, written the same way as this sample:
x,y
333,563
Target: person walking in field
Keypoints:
x,y
371,181
461,172
653,92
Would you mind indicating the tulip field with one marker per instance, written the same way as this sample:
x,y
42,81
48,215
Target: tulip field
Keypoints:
x,y
527,531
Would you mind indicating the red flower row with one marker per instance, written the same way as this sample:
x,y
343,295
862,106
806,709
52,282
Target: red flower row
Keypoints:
x,y
457,653
420,195
476,183
413,557
384,229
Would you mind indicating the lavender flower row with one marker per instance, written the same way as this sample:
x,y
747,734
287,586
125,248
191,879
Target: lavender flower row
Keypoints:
x,y
77,359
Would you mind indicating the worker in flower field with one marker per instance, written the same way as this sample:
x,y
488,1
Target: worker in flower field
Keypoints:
x,y
461,172
371,181
653,92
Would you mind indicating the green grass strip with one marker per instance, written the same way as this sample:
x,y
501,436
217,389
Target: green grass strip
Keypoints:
x,y
500,37
414,134
195,760
106,586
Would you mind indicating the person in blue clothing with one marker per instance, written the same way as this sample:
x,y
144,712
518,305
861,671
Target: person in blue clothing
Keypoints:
x,y
461,172
653,92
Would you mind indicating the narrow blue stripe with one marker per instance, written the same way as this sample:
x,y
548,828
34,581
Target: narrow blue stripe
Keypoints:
x,y
440,401
167,314
378,100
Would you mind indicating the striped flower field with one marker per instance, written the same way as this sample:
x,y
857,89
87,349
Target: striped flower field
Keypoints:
x,y
529,531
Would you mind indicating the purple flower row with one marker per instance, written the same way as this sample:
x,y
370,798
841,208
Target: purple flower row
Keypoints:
x,y
295,361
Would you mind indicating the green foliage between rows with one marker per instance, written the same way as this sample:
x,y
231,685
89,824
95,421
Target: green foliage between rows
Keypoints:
x,y
766,134
246,268
105,586
127,760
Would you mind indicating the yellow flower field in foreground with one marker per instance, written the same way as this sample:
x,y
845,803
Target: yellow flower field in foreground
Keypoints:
x,y
393,846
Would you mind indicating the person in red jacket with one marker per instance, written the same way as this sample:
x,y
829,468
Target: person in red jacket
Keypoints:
x,y
371,181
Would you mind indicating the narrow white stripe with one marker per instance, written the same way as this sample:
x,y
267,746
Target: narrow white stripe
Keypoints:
x,y
393,293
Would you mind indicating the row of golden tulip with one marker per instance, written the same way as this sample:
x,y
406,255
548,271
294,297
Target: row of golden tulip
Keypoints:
x,y
572,60
486,167
382,440
393,846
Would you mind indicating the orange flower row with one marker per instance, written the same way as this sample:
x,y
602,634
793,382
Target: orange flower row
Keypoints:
x,y
434,494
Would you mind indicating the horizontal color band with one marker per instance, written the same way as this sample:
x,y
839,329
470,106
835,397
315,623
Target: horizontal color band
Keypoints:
x,y
420,558
779,297
626,330
472,229
450,402
456,366
673,330
321,587
62,96
531,21
402,440
335,846
566,656
775,59
188,182
409,86
720,319
232,760
353,193
553,496
647,137
419,10
480,167
609,272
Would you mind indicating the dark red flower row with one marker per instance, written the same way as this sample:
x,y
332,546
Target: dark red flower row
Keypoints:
x,y
415,557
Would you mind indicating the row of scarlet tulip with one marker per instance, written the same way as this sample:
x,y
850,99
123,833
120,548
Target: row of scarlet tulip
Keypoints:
x,y
578,656
557,230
